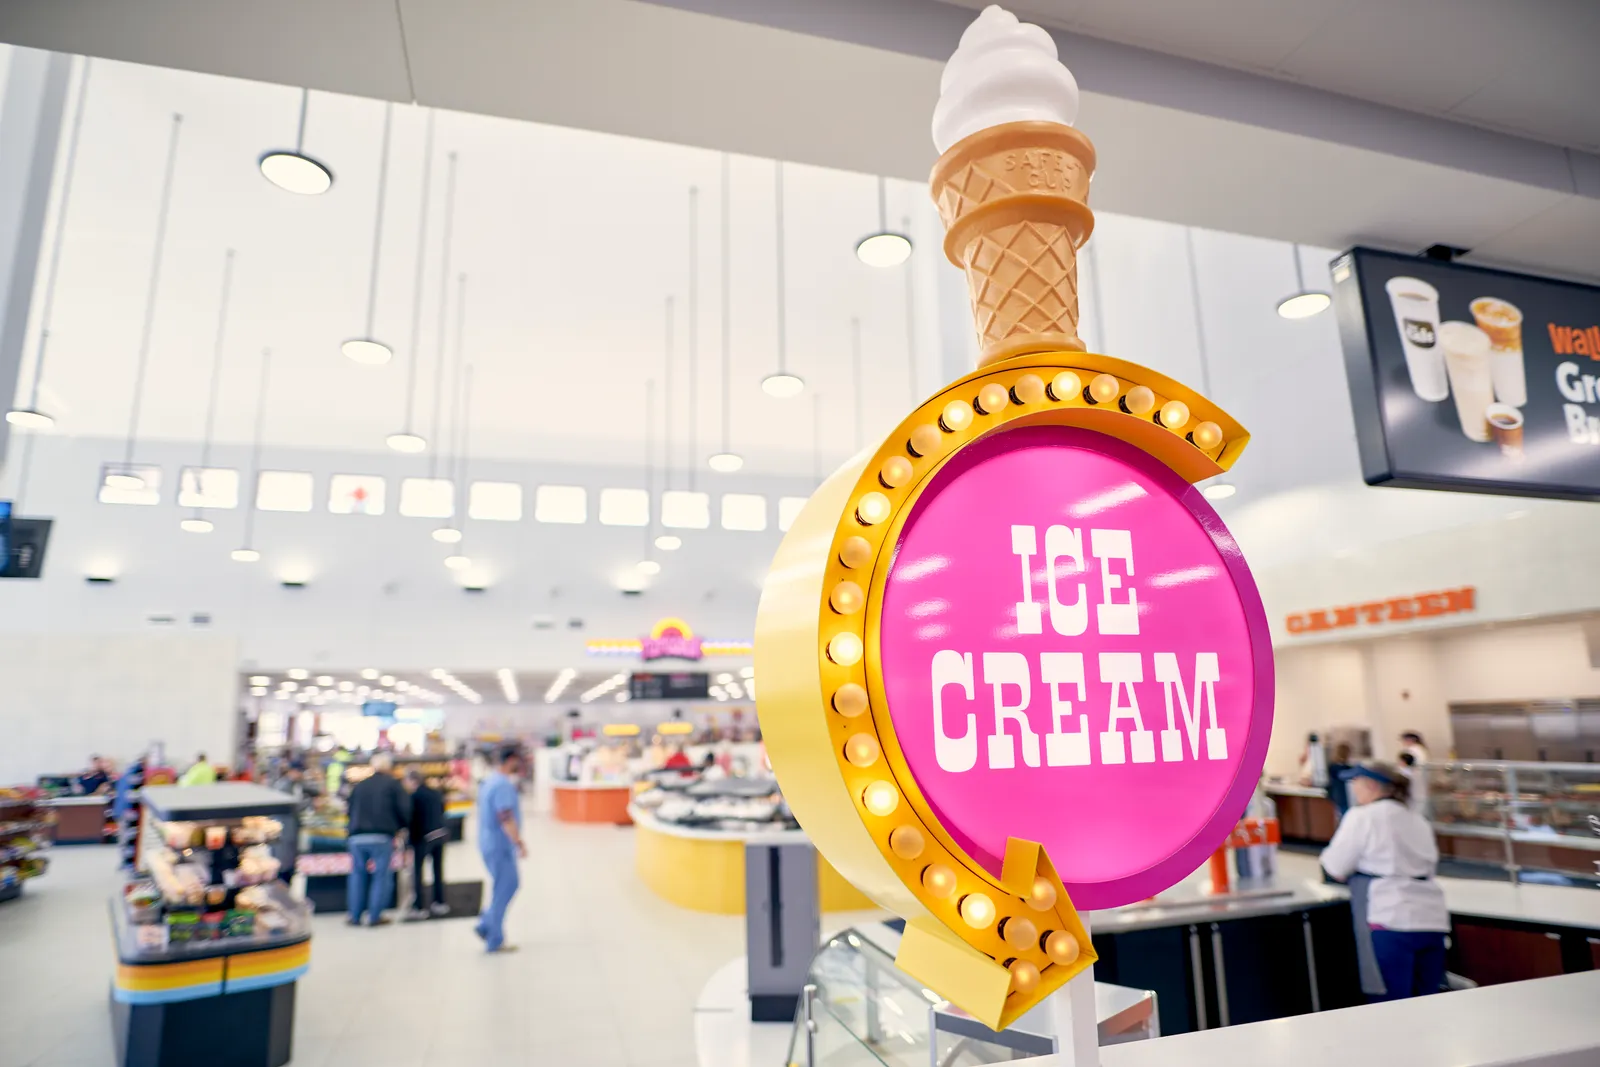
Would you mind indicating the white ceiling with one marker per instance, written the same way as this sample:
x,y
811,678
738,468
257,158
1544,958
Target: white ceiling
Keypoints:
x,y
571,241
1514,67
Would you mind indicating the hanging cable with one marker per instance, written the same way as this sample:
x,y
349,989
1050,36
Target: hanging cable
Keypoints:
x,y
377,223
416,288
855,365
911,323
255,448
783,330
143,360
444,303
1199,318
727,304
694,333
216,377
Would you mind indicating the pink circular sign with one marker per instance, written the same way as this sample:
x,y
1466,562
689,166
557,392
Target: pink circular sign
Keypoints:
x,y
1074,653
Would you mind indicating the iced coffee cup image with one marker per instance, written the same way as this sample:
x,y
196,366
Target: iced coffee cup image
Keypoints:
x,y
1505,426
1416,314
1502,321
1467,361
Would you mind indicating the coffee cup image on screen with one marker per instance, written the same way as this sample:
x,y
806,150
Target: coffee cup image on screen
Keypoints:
x,y
1416,315
1467,360
1502,321
1505,426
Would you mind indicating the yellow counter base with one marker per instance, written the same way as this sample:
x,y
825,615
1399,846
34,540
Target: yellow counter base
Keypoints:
x,y
703,874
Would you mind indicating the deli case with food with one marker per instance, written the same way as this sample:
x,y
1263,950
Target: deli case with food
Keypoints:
x,y
1523,817
209,940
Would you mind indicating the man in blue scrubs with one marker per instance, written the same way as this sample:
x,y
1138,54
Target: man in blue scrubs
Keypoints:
x,y
500,841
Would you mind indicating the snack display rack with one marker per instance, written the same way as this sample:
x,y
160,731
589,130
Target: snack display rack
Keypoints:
x,y
24,835
209,941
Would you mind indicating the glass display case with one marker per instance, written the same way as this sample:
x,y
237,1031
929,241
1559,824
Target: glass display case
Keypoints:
x,y
860,1009
1523,817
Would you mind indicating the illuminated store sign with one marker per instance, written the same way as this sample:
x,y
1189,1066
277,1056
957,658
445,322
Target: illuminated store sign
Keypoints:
x,y
1012,662
1377,612
671,638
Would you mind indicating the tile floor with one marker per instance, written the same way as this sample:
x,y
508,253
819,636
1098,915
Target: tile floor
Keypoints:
x,y
608,974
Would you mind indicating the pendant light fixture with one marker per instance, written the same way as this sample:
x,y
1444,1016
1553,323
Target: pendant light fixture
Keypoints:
x,y
246,552
408,440
127,478
458,560
295,171
450,532
886,247
198,523
1216,489
781,384
31,417
816,438
726,460
646,565
1303,303
665,541
365,349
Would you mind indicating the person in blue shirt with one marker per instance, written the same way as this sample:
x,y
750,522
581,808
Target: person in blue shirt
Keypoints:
x,y
500,841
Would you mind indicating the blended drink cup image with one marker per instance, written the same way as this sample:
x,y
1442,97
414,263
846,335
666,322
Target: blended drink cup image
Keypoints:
x,y
1502,321
1466,356
1416,314
1505,425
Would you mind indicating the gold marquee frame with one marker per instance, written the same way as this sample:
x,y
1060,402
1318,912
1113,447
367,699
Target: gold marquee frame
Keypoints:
x,y
993,946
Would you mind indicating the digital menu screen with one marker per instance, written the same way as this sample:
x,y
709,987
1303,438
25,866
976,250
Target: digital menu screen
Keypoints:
x,y
1471,379
686,685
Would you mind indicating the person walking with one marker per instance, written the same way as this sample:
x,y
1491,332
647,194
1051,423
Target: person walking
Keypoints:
x,y
379,809
1388,854
500,841
428,834
202,773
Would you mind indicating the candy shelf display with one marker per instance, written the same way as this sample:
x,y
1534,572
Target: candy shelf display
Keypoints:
x,y
208,937
24,835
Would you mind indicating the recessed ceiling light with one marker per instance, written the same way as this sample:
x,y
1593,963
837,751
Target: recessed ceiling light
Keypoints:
x,y
457,563
299,674
296,173
196,526
1303,305
367,352
244,555
387,681
406,442
649,566
726,462
324,679
447,535
1219,490
129,482
669,542
747,672
258,690
370,674
782,385
886,249
724,678
631,582
260,679
28,419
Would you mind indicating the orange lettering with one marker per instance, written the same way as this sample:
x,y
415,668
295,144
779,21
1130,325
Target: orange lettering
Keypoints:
x,y
1319,621
1296,624
1461,599
1402,608
1431,604
1344,616
1560,339
1373,611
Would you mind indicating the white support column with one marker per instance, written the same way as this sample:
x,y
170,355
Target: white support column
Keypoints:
x,y
1077,1023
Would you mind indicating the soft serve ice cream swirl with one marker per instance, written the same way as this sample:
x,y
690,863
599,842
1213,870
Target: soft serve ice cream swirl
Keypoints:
x,y
1003,71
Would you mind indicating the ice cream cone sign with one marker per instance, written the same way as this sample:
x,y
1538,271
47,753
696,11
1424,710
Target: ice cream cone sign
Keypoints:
x,y
1012,663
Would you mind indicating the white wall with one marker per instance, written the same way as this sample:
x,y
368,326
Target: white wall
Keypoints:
x,y
68,696
1407,682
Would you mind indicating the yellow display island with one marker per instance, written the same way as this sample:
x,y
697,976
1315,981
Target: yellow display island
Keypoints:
x,y
704,869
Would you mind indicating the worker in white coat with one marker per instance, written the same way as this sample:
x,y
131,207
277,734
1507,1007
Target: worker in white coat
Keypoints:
x,y
1388,855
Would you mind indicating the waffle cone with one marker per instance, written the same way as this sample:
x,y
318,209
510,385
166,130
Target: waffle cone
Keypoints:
x,y
1014,203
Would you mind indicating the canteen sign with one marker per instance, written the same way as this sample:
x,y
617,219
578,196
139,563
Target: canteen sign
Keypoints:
x,y
1069,657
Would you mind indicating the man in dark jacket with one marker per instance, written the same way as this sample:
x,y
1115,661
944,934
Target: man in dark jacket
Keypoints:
x,y
379,809
428,835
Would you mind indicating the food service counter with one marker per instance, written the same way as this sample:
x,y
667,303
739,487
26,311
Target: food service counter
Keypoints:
x,y
1304,812
80,820
602,802
703,870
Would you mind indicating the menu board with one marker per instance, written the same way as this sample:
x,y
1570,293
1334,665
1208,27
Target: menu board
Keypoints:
x,y
1471,379
688,685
